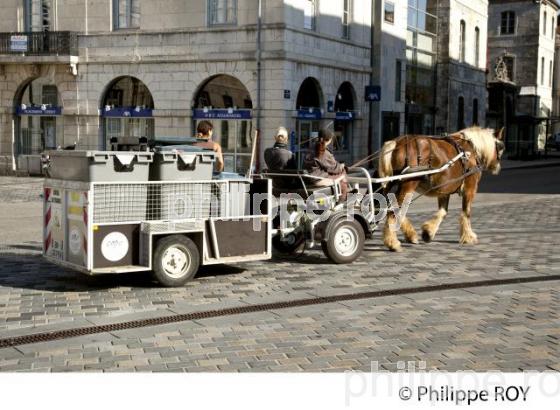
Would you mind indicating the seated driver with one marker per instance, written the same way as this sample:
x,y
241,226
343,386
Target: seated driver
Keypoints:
x,y
320,162
204,132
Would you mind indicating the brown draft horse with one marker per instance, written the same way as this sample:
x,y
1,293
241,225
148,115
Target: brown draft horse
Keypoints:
x,y
483,149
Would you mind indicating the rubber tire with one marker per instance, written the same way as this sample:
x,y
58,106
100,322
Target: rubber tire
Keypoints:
x,y
329,248
288,249
165,243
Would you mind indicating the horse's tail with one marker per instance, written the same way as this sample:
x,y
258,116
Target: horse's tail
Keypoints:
x,y
385,168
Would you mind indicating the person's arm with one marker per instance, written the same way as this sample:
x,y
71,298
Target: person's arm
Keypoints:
x,y
219,157
331,165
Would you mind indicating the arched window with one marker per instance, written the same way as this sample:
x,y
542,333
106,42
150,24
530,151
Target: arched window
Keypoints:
x,y
507,25
545,18
475,111
461,114
462,35
476,47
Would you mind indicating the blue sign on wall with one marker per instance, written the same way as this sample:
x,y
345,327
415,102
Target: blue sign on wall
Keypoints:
x,y
310,114
19,43
373,93
126,112
345,116
221,114
39,110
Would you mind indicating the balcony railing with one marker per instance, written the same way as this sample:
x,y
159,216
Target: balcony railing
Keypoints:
x,y
47,43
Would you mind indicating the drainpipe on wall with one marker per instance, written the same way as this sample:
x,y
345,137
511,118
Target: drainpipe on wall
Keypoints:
x,y
259,80
371,124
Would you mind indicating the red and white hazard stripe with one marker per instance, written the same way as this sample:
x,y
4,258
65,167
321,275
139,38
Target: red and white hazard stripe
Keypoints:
x,y
48,220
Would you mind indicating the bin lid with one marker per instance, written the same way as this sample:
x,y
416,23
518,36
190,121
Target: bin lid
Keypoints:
x,y
182,148
92,153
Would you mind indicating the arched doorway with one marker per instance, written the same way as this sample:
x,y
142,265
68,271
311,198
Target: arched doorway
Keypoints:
x,y
38,123
226,102
126,112
345,115
309,105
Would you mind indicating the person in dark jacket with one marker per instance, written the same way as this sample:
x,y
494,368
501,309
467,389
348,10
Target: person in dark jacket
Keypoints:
x,y
321,162
279,157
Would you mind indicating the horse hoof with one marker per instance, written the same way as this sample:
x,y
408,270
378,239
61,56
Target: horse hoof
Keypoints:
x,y
469,240
413,241
426,237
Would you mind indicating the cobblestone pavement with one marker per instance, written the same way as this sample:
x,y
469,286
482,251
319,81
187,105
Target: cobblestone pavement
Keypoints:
x,y
497,328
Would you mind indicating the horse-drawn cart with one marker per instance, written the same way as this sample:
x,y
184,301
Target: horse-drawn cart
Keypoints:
x,y
115,212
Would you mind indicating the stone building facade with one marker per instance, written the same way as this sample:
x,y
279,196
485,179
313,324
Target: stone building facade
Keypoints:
x,y
522,35
555,129
74,71
389,68
461,70
446,57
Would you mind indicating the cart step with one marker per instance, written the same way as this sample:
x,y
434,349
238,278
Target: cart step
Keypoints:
x,y
121,269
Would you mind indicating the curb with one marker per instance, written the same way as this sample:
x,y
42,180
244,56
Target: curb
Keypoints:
x,y
533,166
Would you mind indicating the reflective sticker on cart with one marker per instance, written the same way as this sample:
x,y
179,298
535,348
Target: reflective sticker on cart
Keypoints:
x,y
75,241
114,246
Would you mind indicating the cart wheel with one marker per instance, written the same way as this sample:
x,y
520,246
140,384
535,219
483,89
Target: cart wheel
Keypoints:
x,y
345,243
289,244
176,260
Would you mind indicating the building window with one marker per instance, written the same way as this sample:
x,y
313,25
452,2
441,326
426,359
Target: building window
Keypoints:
x,y
346,13
476,46
222,12
389,12
461,114
551,68
420,70
508,23
542,70
510,66
37,15
310,14
545,18
552,28
462,35
475,111
398,80
126,14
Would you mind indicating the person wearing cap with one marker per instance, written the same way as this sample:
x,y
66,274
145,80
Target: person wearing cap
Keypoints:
x,y
279,157
204,132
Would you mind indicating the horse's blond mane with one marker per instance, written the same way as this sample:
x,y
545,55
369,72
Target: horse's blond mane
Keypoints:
x,y
483,142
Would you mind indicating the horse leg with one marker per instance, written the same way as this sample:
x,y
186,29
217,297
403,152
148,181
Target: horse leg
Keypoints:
x,y
407,228
431,227
468,237
390,238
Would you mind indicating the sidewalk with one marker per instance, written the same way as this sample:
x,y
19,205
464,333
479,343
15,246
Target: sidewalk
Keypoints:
x,y
552,160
